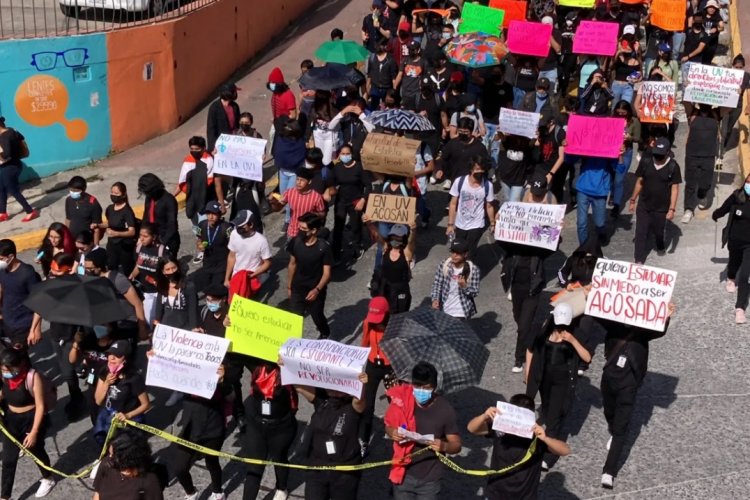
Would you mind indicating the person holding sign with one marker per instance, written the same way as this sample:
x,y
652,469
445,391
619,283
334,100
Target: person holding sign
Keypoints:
x,y
471,206
522,482
349,191
627,66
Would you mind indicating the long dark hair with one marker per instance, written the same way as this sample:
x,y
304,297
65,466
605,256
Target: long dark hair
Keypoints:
x,y
130,450
162,283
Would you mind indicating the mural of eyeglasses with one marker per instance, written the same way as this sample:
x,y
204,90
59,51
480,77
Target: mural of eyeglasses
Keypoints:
x,y
72,58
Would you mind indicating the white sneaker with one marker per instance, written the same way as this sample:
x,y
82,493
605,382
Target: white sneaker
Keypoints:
x,y
687,216
280,495
580,372
45,486
95,470
609,443
517,369
446,185
545,465
739,316
198,258
731,286
175,398
608,481
218,496
194,496
510,297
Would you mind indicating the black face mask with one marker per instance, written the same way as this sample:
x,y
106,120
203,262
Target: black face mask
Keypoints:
x,y
174,277
117,199
197,155
478,175
697,26
305,235
660,159
245,127
464,137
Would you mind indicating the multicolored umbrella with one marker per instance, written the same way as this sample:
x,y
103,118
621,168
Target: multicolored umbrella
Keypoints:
x,y
342,52
476,50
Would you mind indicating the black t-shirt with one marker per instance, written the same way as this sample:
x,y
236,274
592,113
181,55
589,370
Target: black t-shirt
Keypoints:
x,y
452,103
548,151
16,287
438,419
82,213
522,483
692,40
111,485
321,180
212,324
495,95
215,241
656,190
147,260
382,73
459,155
121,220
527,75
282,403
550,62
123,395
412,74
440,78
703,136
310,262
709,23
631,343
334,421
350,183
10,143
433,105
94,355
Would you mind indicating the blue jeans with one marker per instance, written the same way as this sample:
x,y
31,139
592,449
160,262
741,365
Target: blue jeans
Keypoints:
x,y
518,97
422,209
9,187
491,144
623,91
678,42
287,181
621,171
551,75
598,211
511,193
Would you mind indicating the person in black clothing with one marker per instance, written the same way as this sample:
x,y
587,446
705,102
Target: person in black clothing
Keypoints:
x,y
82,210
696,43
322,179
13,149
349,189
129,471
309,271
223,115
595,98
160,209
701,150
456,157
522,482
549,156
212,239
495,93
626,354
374,28
713,25
177,302
197,180
736,235
569,60
391,279
658,183
429,104
381,74
16,281
353,130
121,229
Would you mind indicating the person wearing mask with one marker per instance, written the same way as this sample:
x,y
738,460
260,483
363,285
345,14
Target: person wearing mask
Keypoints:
x,y
177,301
623,109
223,115
424,166
120,228
129,470
412,69
349,190
592,189
587,66
382,71
568,62
309,271
439,72
306,96
283,103
300,200
322,179
57,240
626,364
212,240
457,157
16,281
595,98
354,127
374,29
513,166
471,206
548,156
456,283
527,75
548,68
696,45
392,278
438,35
658,180
701,151
456,88
84,245
148,253
160,209
249,257
400,44
539,101
495,93
468,109
13,149
522,482
712,25
289,152
393,185
736,235
727,124
23,398
627,67
81,209
247,194
664,65
420,407
197,182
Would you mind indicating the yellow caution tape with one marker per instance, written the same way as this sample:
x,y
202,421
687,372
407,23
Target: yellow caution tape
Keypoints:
x,y
484,472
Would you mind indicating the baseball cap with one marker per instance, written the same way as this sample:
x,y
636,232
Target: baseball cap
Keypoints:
x,y
213,207
378,3
543,83
562,314
399,230
459,246
538,184
243,217
629,30
120,348
712,3
377,310
664,47
661,146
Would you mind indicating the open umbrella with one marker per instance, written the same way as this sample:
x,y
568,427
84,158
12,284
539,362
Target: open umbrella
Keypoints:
x,y
342,52
476,50
425,334
77,300
331,76
400,119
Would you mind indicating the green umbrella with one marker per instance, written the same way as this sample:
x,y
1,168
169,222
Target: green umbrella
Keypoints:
x,y
342,52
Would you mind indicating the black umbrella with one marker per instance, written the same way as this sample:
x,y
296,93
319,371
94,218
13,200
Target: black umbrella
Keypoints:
x,y
425,334
77,300
331,76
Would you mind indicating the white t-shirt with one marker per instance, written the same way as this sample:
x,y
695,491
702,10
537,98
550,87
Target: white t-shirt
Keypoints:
x,y
250,251
470,211
452,305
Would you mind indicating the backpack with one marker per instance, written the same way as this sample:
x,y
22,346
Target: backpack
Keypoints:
x,y
49,390
486,186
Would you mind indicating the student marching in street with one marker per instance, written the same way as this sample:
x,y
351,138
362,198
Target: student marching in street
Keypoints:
x,y
391,279
120,229
300,200
471,206
148,253
129,471
349,191
197,182
456,283
81,209
16,281
249,257
57,240
701,151
160,210
212,240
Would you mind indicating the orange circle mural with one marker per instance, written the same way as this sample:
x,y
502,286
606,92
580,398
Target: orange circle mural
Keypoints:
x,y
42,100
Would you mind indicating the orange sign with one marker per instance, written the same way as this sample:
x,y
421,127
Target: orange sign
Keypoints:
x,y
515,10
42,100
668,14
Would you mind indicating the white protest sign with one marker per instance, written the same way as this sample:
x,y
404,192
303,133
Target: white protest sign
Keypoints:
x,y
323,363
240,157
512,419
532,224
185,361
425,439
516,122
633,294
712,85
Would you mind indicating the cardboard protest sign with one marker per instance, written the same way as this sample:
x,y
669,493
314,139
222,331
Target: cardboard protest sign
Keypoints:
x,y
389,154
185,361
668,14
712,85
595,136
240,157
657,102
323,363
478,18
581,4
633,294
514,122
596,38
391,208
530,39
512,419
515,10
532,224
260,330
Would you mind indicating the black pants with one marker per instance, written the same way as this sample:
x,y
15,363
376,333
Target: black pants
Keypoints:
x,y
557,186
339,221
184,457
67,370
19,424
121,256
646,223
332,485
524,309
208,275
471,237
699,173
618,397
267,440
727,126
316,308
738,269
565,70
375,375
235,367
556,394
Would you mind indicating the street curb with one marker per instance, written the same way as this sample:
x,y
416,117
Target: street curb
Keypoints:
x,y
32,239
744,121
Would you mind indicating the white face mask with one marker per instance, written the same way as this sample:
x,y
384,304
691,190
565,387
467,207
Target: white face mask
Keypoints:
x,y
4,264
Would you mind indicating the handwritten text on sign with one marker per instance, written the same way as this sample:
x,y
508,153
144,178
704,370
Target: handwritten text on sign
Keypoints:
x,y
530,39
478,18
585,4
595,136
512,419
323,363
713,85
515,122
668,14
596,38
391,208
260,330
185,361
515,10
657,103
240,157
533,224
631,293
389,154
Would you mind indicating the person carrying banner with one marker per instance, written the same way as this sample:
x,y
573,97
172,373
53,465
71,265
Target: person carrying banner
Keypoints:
x,y
471,206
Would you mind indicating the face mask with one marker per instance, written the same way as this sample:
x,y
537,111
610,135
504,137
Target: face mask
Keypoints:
x,y
345,158
117,199
213,306
246,127
310,166
422,396
659,159
272,87
93,272
9,375
305,235
746,187
470,108
3,265
446,36
541,94
100,331
403,35
464,137
477,175
75,195
395,243
115,368
697,26
197,155
174,277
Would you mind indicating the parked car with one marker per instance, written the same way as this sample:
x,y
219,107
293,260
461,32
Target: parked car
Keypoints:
x,y
71,8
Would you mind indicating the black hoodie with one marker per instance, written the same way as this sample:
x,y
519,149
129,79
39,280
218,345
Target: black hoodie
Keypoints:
x,y
160,209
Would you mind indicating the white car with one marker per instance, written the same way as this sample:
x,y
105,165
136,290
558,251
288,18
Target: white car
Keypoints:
x,y
71,8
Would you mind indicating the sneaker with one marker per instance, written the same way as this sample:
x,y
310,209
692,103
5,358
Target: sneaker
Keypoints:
x,y
687,217
608,481
358,253
95,470
609,443
4,217
739,316
284,228
280,495
192,496
446,185
174,398
661,252
29,217
731,286
218,496
517,368
198,258
702,203
545,466
45,486
510,297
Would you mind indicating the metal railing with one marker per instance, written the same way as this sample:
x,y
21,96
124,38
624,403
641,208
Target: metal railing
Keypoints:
x,y
44,18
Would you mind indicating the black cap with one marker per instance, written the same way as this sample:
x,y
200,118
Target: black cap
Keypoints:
x,y
120,348
459,246
543,83
98,257
213,207
216,290
661,146
538,184
242,218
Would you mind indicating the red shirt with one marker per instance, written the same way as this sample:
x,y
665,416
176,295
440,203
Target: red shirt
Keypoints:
x,y
229,110
300,204
371,338
282,104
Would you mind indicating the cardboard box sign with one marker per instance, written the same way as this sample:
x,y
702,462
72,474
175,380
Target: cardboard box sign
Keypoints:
x,y
391,208
389,154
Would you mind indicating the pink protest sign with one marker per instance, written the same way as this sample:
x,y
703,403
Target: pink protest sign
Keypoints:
x,y
596,38
530,39
595,136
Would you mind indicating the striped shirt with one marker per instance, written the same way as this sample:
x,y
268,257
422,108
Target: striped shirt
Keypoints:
x,y
300,203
